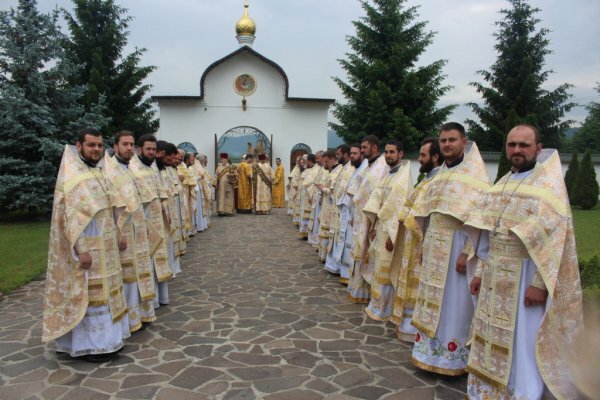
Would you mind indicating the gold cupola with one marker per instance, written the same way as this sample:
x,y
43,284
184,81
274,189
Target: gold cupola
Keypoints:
x,y
245,28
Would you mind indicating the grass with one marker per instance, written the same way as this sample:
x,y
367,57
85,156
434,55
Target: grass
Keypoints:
x,y
587,232
23,252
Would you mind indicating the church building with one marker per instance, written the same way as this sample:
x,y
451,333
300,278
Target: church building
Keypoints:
x,y
245,106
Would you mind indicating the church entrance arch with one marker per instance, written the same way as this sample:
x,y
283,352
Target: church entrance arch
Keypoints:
x,y
243,140
299,149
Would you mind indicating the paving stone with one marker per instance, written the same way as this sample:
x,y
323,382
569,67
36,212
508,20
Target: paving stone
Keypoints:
x,y
323,371
240,394
145,392
353,377
278,384
198,351
442,392
193,377
104,385
367,392
413,394
301,358
142,380
297,394
179,394
252,373
337,345
20,390
321,385
53,392
171,368
254,359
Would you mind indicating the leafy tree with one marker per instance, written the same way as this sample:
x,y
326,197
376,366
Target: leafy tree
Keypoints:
x,y
98,36
514,83
586,185
39,110
588,137
571,178
386,93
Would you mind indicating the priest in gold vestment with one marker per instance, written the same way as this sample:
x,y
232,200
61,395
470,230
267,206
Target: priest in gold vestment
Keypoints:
x,y
84,306
244,185
262,181
295,187
279,185
408,251
444,306
327,202
317,200
307,189
225,182
382,210
157,215
361,270
529,313
134,248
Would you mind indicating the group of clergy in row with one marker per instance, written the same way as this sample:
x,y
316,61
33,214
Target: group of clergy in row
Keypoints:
x,y
249,186
482,279
120,223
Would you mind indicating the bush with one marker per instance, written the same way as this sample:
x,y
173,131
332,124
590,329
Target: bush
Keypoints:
x,y
589,272
571,178
586,189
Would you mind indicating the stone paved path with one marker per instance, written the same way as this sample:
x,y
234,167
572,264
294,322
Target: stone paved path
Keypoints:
x,y
253,315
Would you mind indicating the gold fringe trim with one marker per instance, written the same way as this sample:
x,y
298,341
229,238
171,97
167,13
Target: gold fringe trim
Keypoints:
x,y
375,317
488,379
135,328
437,370
302,234
148,319
343,281
120,316
357,300
420,327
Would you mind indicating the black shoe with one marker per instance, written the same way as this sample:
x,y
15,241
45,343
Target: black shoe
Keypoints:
x,y
99,358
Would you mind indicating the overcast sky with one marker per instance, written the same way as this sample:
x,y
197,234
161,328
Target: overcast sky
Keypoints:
x,y
306,37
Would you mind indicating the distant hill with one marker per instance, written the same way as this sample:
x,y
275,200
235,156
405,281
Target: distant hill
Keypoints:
x,y
333,140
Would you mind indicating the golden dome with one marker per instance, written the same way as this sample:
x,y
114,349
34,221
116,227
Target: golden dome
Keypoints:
x,y
245,26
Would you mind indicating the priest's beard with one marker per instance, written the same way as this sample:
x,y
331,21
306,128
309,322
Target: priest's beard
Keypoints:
x,y
147,161
425,168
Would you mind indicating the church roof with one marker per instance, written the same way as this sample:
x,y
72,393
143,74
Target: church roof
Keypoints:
x,y
260,57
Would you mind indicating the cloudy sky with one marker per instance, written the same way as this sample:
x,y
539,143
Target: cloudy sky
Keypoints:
x,y
306,37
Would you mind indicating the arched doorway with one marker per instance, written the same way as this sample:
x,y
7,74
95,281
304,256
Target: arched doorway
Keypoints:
x,y
187,147
242,140
299,149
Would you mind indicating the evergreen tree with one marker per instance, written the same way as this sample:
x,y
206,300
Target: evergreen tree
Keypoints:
x,y
39,111
387,94
515,83
586,185
98,36
588,137
571,178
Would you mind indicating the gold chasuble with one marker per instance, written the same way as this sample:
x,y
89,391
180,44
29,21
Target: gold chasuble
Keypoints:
x,y
136,262
407,254
307,189
320,179
148,185
262,181
527,218
81,195
226,182
372,177
205,182
295,193
339,190
382,212
244,186
278,195
327,207
189,184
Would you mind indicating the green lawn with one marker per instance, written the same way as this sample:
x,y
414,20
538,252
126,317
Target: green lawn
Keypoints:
x,y
23,252
587,232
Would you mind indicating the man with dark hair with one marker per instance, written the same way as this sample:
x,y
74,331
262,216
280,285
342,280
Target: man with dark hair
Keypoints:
x,y
342,249
381,211
225,182
165,153
408,251
375,169
134,245
244,185
339,182
444,307
529,312
279,185
307,187
157,214
84,308
316,201
331,164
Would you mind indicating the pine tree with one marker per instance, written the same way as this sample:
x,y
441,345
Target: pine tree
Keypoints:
x,y
571,177
39,111
586,185
588,137
386,93
98,36
515,83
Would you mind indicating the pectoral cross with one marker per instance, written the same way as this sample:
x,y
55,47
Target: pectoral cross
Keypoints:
x,y
502,318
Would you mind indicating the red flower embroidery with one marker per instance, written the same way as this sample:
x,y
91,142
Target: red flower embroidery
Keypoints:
x,y
452,346
418,338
